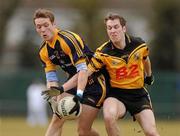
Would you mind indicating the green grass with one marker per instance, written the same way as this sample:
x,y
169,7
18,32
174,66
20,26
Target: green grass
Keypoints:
x,y
18,127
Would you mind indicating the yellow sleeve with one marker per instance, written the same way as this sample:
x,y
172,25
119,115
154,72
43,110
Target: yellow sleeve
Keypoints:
x,y
96,61
73,46
46,62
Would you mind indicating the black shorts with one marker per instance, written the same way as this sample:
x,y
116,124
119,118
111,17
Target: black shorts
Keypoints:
x,y
135,100
95,91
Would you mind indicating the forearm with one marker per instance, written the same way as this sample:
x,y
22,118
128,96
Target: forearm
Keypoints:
x,y
147,67
74,81
51,79
71,83
82,79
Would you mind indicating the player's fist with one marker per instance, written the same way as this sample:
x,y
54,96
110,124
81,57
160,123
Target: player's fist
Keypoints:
x,y
149,80
77,98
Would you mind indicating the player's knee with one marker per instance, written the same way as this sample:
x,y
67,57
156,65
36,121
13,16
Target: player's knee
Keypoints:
x,y
109,118
110,115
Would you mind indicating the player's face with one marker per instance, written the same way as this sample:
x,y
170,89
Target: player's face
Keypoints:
x,y
45,28
115,31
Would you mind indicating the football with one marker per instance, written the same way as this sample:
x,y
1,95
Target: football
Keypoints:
x,y
67,108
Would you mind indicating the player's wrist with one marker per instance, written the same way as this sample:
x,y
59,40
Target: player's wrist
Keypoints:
x,y
149,75
149,79
60,88
79,93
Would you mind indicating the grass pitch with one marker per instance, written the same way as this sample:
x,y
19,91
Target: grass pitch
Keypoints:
x,y
19,127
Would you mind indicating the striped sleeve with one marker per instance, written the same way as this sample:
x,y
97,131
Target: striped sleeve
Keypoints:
x,y
73,47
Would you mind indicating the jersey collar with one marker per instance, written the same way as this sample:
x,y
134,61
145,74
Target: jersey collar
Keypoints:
x,y
51,44
127,41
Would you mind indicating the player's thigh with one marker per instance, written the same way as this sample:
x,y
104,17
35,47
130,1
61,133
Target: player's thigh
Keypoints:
x,y
87,117
112,107
146,119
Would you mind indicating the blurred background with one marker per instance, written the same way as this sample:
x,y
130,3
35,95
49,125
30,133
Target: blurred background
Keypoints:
x,y
156,21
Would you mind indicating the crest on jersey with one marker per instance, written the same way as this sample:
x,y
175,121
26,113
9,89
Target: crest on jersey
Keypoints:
x,y
136,56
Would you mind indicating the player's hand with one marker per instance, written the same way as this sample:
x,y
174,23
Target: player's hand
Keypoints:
x,y
78,96
76,107
77,99
53,104
149,80
53,91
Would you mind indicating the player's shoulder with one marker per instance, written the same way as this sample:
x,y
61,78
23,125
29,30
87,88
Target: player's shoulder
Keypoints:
x,y
135,40
105,47
42,46
69,34
64,32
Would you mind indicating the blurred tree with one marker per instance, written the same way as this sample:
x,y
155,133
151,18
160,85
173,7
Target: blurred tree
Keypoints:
x,y
166,25
7,8
90,25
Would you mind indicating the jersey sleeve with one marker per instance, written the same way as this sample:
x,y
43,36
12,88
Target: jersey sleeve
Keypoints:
x,y
46,63
141,42
73,46
97,61
146,52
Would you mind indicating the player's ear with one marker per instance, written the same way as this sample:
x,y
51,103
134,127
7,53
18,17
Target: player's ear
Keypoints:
x,y
54,24
124,29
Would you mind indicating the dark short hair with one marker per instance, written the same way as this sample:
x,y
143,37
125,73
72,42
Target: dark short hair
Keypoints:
x,y
112,16
43,13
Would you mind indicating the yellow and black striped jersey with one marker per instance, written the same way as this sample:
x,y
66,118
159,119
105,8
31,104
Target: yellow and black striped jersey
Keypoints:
x,y
125,67
66,50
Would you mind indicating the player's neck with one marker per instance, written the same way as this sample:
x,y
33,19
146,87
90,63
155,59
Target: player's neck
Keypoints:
x,y
53,37
120,44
